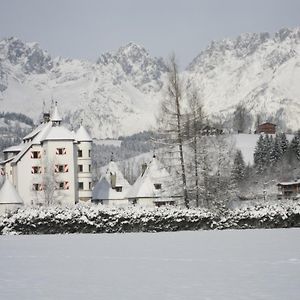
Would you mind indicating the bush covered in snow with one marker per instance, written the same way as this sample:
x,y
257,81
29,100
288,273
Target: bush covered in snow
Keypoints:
x,y
99,219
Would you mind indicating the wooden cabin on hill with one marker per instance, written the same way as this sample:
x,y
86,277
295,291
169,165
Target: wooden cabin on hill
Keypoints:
x,y
267,128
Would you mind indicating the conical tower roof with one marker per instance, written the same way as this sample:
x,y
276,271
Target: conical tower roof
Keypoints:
x,y
82,135
56,115
9,195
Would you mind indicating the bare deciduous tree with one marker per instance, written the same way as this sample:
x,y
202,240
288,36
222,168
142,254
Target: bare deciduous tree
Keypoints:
x,y
171,119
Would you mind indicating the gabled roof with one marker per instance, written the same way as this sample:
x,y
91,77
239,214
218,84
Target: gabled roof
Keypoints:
x,y
9,195
144,187
33,133
103,189
7,160
16,148
82,135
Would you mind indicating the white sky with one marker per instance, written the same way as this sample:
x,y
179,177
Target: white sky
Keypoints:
x,y
87,28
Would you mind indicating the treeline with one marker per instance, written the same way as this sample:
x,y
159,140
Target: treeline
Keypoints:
x,y
11,116
11,132
273,153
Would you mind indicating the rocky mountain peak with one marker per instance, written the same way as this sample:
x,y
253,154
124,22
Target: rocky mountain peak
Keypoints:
x,y
137,65
28,55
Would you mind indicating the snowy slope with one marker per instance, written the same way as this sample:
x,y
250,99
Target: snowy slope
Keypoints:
x,y
120,94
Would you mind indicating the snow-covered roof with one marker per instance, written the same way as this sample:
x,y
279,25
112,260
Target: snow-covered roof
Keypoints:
x,y
82,135
103,190
9,195
289,182
16,148
7,160
56,115
33,133
155,174
58,133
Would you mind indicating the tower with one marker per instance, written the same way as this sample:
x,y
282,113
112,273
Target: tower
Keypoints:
x,y
84,164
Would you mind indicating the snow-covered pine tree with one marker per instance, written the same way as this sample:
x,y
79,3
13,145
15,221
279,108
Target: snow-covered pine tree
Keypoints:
x,y
238,169
295,146
284,143
259,160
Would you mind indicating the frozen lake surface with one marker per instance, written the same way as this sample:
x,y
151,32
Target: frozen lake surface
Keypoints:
x,y
217,265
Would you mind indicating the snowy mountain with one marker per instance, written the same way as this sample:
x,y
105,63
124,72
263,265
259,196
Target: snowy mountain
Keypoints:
x,y
259,70
115,96
120,94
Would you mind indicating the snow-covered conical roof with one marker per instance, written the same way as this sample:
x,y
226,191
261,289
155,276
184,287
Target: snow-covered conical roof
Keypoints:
x,y
103,189
56,115
82,135
9,195
144,186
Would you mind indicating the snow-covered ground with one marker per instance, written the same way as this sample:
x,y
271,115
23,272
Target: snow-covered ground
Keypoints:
x,y
215,265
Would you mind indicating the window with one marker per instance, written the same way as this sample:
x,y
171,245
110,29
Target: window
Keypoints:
x,y
35,154
157,186
36,170
134,201
89,153
61,169
118,189
79,153
61,151
90,185
37,187
63,185
80,185
90,168
80,168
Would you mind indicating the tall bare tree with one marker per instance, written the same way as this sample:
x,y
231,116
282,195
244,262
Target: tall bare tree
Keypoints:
x,y
196,122
171,119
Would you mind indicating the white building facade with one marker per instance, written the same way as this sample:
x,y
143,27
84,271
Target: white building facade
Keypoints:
x,y
52,165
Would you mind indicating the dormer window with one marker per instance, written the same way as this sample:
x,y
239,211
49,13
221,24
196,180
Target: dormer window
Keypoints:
x,y
157,186
118,189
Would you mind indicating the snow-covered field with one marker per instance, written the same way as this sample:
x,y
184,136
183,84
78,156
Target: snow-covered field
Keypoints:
x,y
215,265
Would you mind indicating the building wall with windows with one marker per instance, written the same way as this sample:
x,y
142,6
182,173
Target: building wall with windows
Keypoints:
x,y
45,169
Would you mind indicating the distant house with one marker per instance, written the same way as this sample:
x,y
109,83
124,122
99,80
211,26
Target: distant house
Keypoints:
x,y
267,127
112,188
210,130
288,190
154,187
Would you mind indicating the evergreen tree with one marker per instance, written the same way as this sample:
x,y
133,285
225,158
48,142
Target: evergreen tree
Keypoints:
x,y
239,168
295,146
259,155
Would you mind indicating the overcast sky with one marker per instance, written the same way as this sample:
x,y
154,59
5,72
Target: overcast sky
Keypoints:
x,y
87,28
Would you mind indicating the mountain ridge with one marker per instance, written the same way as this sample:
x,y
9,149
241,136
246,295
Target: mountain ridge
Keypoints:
x,y
119,94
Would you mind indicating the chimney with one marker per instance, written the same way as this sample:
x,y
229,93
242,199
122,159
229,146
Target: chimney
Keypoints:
x,y
46,117
113,179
